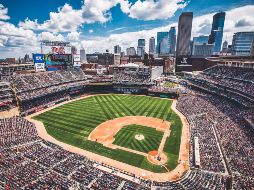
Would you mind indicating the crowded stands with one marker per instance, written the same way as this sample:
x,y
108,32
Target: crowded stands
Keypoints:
x,y
28,162
6,96
235,83
221,127
129,78
36,90
162,89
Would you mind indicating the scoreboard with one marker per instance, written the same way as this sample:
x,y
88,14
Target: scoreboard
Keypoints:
x,y
58,61
61,58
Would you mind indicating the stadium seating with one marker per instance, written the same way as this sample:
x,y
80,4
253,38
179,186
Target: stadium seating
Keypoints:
x,y
36,90
130,78
232,82
28,162
210,117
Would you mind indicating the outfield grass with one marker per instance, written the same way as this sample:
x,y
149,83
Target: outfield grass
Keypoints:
x,y
126,138
72,123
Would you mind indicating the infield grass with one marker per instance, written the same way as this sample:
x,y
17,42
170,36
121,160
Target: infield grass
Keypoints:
x,y
126,138
72,123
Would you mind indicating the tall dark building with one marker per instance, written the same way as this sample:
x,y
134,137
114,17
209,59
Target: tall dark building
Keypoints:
x,y
172,40
160,37
117,49
142,42
184,34
141,47
73,50
217,31
152,45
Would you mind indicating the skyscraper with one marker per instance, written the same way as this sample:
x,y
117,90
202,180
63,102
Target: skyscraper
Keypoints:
x,y
160,37
242,43
142,42
117,49
82,55
73,50
184,34
140,51
141,47
200,40
164,46
172,40
217,31
152,45
131,51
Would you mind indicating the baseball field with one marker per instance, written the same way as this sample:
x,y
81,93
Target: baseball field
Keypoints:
x,y
72,123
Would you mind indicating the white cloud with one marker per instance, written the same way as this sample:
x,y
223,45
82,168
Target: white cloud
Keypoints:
x,y
152,10
90,31
16,41
73,36
51,37
97,10
244,21
125,6
66,19
29,24
3,13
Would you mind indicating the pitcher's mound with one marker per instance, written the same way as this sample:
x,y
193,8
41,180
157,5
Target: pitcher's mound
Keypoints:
x,y
139,137
157,158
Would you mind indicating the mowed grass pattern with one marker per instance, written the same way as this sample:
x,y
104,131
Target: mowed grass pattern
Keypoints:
x,y
73,122
126,138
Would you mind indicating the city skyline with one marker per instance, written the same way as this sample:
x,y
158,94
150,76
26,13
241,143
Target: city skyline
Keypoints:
x,y
20,36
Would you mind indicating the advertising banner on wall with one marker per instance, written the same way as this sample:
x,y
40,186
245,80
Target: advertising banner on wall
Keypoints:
x,y
76,60
54,68
38,58
39,67
39,64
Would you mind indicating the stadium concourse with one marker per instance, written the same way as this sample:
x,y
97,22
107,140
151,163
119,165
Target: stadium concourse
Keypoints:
x,y
223,129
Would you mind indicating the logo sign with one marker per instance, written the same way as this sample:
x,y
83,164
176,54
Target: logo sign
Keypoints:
x,y
76,58
39,67
184,60
38,58
58,50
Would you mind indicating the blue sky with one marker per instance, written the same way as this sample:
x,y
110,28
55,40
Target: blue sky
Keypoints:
x,y
97,24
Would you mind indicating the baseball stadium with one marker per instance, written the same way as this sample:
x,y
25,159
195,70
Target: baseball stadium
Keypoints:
x,y
124,131
127,95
